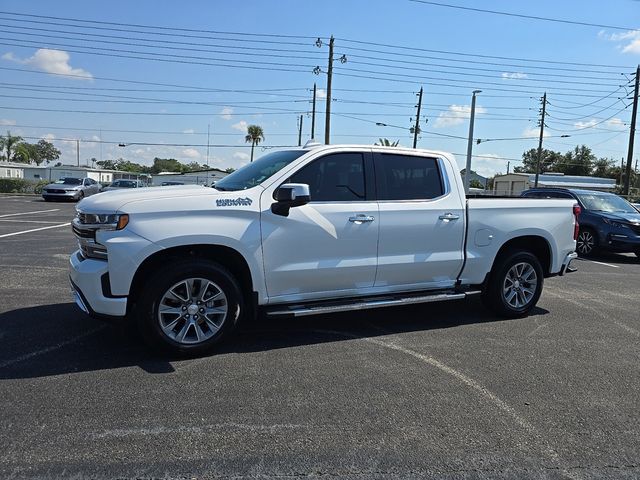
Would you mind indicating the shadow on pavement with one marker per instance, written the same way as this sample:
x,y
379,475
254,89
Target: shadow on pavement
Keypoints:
x,y
58,339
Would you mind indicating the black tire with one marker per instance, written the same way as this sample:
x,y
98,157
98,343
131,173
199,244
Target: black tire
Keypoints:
x,y
498,291
149,318
587,242
80,196
637,252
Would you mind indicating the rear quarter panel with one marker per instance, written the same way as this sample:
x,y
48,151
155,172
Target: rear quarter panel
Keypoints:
x,y
493,222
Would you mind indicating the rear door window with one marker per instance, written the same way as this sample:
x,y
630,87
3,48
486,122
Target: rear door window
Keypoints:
x,y
407,177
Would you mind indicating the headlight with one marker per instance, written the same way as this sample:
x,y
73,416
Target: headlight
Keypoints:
x,y
615,224
109,221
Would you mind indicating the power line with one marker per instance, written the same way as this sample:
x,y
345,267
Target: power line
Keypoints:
x,y
164,42
162,29
143,144
449,52
520,15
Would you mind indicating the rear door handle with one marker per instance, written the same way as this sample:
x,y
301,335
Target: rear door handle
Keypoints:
x,y
449,216
361,218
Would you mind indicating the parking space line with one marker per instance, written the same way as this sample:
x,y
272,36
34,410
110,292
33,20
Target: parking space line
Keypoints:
x,y
28,213
469,382
27,356
34,230
602,263
11,220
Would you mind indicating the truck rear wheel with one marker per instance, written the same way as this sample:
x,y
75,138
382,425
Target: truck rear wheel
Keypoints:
x,y
189,307
515,284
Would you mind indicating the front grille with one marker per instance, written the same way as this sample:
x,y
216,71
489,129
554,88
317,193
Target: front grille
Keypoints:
x,y
82,233
54,190
635,228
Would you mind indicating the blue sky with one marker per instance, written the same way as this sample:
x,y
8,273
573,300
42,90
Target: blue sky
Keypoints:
x,y
202,78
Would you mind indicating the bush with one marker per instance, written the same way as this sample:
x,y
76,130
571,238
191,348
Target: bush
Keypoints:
x,y
20,185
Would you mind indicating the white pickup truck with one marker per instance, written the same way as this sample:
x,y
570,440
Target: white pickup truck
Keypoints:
x,y
310,231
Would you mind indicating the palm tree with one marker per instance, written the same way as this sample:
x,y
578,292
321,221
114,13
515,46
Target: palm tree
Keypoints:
x,y
8,144
386,143
254,135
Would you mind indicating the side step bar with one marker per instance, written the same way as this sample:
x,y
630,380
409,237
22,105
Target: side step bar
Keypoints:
x,y
302,310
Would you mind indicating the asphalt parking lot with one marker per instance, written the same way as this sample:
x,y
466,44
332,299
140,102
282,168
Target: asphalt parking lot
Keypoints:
x,y
443,390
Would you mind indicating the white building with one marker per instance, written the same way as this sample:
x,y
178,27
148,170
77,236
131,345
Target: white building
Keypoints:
x,y
11,170
513,184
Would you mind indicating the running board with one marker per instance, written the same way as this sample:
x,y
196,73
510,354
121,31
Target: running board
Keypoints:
x,y
363,304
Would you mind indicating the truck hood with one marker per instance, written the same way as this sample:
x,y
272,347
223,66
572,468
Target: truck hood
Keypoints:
x,y
112,201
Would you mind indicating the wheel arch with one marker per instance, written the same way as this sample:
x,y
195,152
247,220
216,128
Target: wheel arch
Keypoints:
x,y
534,244
227,257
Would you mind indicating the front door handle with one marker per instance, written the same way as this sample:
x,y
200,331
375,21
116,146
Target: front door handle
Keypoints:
x,y
449,216
361,218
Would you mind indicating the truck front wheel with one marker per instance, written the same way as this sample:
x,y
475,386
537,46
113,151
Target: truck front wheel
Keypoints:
x,y
515,284
189,306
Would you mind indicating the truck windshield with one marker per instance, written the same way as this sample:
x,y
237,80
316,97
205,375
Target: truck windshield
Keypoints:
x,y
606,203
257,172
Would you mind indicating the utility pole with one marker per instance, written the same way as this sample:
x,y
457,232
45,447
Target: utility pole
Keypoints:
x,y
416,129
208,126
508,165
632,133
621,170
78,152
544,112
313,114
327,120
467,172
300,131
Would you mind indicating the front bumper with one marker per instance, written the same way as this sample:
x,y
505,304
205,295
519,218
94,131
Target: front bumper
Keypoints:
x,y
69,195
623,242
86,281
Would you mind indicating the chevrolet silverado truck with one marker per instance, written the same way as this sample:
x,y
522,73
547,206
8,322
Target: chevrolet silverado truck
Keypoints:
x,y
308,231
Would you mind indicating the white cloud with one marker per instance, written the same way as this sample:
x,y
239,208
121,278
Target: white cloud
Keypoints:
x,y
533,132
139,151
49,137
51,61
191,153
4,121
629,42
616,123
241,156
590,123
321,93
189,131
226,113
456,114
488,164
514,75
241,125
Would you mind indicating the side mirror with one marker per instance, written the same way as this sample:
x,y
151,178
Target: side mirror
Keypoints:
x,y
290,195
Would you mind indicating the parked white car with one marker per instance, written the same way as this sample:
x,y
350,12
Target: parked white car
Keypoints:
x,y
70,188
311,231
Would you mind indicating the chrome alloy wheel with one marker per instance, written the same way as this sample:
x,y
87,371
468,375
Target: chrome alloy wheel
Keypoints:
x,y
585,242
519,286
192,311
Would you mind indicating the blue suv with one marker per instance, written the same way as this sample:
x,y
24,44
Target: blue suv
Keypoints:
x,y
607,221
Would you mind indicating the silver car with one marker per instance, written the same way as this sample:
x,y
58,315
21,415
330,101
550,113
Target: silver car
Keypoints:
x,y
69,188
118,184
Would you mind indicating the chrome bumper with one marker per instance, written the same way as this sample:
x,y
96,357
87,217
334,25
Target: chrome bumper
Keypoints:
x,y
566,264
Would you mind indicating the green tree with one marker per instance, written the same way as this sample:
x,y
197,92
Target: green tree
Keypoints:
x,y
530,160
384,142
254,135
230,170
579,161
476,184
8,144
24,152
45,151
